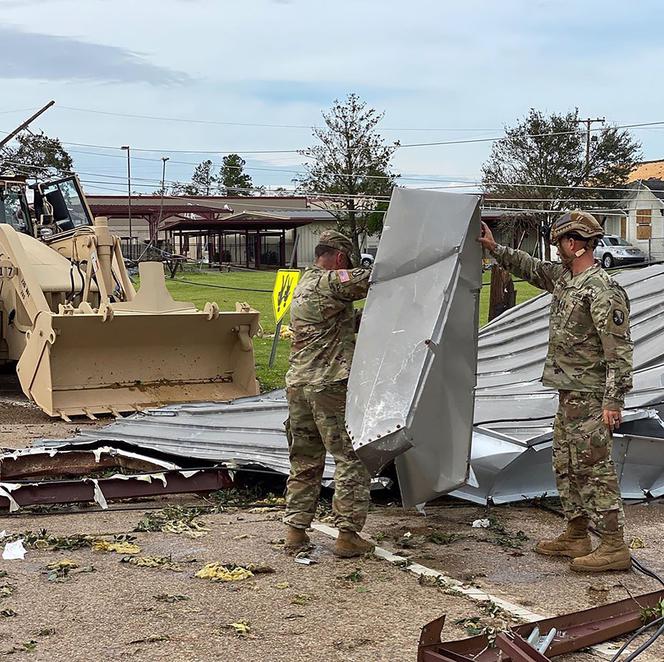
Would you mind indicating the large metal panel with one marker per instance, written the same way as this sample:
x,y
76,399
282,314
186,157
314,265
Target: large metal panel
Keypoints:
x,y
411,384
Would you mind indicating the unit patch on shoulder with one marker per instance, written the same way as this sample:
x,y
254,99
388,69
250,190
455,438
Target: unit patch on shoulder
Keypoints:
x,y
344,277
618,317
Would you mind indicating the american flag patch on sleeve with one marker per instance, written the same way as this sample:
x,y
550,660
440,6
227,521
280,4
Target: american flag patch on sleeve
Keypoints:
x,y
344,276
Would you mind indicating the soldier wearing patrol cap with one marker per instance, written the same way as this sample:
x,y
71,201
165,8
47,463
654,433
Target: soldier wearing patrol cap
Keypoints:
x,y
589,362
323,323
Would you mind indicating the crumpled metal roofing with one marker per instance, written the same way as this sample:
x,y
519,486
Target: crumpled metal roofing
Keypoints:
x,y
512,349
511,455
248,431
410,392
11,489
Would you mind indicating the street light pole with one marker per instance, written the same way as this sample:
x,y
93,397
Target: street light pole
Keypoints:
x,y
126,147
163,191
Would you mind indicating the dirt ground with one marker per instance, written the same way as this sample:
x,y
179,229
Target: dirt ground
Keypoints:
x,y
345,610
21,421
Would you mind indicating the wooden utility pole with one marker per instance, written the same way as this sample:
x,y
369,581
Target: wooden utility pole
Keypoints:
x,y
502,295
589,122
20,128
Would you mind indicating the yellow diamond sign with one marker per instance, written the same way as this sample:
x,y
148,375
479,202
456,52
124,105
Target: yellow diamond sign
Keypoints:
x,y
282,295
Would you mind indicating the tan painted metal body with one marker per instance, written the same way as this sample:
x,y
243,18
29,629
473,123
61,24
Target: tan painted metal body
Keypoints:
x,y
87,343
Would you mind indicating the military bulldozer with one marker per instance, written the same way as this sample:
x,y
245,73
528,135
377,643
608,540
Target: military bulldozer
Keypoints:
x,y
84,340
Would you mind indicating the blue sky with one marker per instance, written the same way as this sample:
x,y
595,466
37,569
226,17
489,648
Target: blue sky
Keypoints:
x,y
440,70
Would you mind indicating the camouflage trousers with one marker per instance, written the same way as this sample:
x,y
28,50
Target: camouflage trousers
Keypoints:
x,y
316,422
585,473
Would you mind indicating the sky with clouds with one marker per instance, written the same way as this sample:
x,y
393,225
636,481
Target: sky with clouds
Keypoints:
x,y
252,76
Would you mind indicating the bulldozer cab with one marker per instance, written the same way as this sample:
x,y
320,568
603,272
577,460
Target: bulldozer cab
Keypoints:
x,y
60,205
14,208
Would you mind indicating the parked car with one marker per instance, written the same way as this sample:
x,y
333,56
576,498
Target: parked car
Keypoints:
x,y
366,260
613,251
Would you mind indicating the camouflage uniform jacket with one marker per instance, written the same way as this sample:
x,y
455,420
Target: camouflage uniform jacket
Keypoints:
x,y
589,340
323,325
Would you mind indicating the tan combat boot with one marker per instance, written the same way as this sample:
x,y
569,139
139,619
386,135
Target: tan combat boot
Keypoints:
x,y
349,544
296,539
612,554
574,542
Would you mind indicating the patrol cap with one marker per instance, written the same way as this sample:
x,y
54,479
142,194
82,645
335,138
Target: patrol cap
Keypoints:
x,y
577,222
334,239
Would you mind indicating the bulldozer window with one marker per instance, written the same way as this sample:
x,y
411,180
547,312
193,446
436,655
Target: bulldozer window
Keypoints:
x,y
69,212
14,211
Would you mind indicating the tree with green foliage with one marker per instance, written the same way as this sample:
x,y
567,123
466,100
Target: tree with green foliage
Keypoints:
x,y
232,178
542,164
188,189
351,166
204,178
203,181
36,156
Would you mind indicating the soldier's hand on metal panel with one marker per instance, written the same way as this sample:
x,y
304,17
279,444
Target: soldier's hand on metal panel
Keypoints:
x,y
486,238
612,418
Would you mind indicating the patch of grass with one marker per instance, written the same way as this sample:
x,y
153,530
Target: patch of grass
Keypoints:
x,y
226,288
255,287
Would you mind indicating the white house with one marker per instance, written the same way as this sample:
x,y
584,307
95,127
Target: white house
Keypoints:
x,y
642,223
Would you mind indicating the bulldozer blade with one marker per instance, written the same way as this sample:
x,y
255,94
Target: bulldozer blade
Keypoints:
x,y
87,364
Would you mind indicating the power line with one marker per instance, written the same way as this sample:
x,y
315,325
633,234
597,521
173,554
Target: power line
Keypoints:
x,y
18,110
197,202
536,185
399,146
531,210
249,124
154,181
438,178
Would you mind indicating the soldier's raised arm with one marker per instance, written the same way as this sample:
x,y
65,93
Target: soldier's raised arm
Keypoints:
x,y
610,312
349,284
539,273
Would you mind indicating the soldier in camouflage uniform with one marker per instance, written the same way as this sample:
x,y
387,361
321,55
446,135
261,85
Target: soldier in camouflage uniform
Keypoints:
x,y
323,323
589,361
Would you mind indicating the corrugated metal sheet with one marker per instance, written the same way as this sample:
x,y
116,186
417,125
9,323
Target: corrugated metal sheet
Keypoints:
x,y
247,431
512,349
413,371
507,469
514,412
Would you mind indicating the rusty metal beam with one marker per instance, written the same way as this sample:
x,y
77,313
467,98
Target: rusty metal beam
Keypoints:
x,y
518,649
574,631
71,464
79,491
